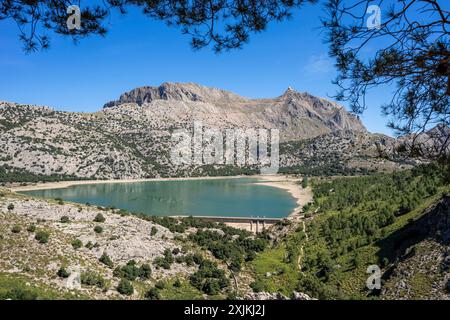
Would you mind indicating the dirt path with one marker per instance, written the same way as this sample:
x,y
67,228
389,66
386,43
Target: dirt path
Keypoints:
x,y
300,256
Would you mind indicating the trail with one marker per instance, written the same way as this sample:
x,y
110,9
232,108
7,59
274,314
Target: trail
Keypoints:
x,y
300,256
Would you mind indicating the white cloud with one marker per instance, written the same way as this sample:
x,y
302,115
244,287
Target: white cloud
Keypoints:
x,y
319,64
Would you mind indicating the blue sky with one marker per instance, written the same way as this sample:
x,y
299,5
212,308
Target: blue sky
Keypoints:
x,y
139,51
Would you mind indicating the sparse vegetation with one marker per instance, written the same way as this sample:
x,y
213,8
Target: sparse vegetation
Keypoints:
x,y
42,236
77,244
90,278
99,218
16,229
98,229
106,260
125,287
65,219
153,294
63,273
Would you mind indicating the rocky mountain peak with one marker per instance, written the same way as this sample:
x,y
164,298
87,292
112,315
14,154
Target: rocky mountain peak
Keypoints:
x,y
174,91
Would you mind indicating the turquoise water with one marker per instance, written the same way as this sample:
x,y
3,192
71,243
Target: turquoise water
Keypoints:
x,y
239,197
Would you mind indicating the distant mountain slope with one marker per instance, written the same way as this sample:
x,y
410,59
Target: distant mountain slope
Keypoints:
x,y
131,137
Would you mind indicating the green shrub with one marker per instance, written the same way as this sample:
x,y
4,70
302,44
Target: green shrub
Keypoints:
x,y
91,278
77,244
98,229
160,285
63,273
31,228
125,287
211,286
152,294
146,271
42,236
64,219
305,182
16,229
19,294
10,207
89,245
106,260
257,286
131,271
177,283
99,218
153,231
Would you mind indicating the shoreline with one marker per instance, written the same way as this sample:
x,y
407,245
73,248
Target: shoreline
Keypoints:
x,y
289,184
69,183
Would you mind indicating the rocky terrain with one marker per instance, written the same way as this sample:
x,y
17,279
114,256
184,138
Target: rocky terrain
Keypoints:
x,y
131,137
423,261
123,238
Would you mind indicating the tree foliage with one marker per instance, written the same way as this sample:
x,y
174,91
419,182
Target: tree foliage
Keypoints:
x,y
410,48
222,24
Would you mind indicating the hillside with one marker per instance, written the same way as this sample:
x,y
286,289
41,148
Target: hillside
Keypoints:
x,y
55,250
399,222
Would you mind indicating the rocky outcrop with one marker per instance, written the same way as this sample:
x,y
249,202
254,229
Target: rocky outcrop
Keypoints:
x,y
276,296
175,92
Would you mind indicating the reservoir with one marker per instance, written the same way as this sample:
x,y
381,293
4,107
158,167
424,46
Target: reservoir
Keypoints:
x,y
230,197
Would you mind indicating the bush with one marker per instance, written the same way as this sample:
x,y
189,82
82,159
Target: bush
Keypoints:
x,y
19,294
106,260
63,273
31,228
89,245
42,236
305,182
64,219
211,286
125,287
153,231
152,294
209,278
16,229
177,283
160,285
77,244
166,261
131,271
10,207
91,278
146,271
99,218
98,229
257,286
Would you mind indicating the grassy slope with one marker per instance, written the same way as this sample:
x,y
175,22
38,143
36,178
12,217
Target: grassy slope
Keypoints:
x,y
348,278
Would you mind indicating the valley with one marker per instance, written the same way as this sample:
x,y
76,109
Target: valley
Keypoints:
x,y
345,199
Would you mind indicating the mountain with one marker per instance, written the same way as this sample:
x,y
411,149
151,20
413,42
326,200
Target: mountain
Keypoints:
x,y
297,115
432,143
131,137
